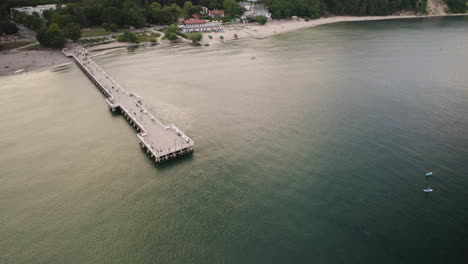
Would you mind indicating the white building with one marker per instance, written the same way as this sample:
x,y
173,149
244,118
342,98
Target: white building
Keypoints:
x,y
252,10
35,9
200,25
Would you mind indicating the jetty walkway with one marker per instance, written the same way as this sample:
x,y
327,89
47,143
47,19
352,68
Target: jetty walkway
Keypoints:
x,y
159,141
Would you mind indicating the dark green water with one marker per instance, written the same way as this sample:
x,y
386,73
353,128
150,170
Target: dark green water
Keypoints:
x,y
315,152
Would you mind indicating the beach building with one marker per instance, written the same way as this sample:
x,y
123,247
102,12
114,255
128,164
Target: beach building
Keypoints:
x,y
200,25
39,9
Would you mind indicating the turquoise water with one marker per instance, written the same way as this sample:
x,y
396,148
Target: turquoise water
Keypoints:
x,y
313,152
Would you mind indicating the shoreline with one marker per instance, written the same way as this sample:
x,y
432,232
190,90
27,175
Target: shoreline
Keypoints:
x,y
17,61
22,61
276,27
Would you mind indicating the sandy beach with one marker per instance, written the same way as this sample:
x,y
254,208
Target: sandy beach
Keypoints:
x,y
276,27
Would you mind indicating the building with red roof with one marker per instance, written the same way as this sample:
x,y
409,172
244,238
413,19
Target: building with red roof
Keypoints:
x,y
194,21
216,13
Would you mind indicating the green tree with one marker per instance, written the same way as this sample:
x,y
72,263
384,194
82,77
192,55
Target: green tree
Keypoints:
x,y
164,15
171,36
4,9
63,20
171,32
175,12
54,26
93,14
80,14
196,9
36,23
133,14
187,9
8,27
72,31
156,15
112,15
232,8
127,36
172,29
47,14
195,37
261,19
51,37
316,8
213,4
110,27
457,6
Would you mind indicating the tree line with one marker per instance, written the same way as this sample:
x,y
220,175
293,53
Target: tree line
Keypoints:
x,y
317,8
457,6
65,23
52,32
136,13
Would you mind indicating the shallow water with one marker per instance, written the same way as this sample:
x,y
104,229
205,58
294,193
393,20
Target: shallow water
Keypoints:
x,y
313,152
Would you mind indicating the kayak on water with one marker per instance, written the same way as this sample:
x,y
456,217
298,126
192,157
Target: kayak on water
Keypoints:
x,y
428,190
429,173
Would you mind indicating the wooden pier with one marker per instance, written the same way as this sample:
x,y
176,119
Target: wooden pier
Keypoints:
x,y
160,142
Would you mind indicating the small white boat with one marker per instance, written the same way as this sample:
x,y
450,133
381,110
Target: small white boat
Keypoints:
x,y
428,190
429,173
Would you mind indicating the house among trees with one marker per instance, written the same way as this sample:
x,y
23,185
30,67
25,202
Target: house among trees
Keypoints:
x,y
216,13
253,10
200,25
211,13
39,9
204,10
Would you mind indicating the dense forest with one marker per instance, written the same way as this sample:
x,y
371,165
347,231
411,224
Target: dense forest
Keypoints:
x,y
137,12
316,8
127,12
65,22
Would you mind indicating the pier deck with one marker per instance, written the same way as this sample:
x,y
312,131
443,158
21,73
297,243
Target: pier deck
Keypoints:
x,y
159,141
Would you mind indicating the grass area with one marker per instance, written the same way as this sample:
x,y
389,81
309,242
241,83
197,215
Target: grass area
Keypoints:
x,y
97,32
94,32
147,36
14,45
